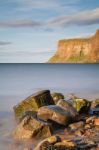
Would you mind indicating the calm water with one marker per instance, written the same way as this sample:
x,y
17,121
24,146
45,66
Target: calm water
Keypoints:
x,y
17,81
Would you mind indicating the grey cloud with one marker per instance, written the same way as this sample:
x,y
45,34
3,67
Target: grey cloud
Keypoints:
x,y
83,18
2,43
20,23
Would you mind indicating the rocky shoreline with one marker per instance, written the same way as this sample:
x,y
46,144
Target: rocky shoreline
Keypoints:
x,y
60,124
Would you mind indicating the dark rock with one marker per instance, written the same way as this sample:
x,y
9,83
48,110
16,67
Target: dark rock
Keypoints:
x,y
94,107
31,127
68,108
57,96
33,103
55,113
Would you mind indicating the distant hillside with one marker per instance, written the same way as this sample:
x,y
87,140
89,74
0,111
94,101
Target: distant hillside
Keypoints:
x,y
82,50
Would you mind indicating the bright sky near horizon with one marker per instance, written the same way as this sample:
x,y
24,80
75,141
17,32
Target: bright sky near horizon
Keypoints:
x,y
30,29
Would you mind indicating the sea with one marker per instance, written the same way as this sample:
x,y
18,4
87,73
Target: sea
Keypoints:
x,y
18,81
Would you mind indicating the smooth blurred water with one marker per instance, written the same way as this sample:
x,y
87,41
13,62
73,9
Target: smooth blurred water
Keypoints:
x,y
17,81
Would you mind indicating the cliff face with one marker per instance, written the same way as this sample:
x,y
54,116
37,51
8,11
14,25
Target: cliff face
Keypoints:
x,y
77,50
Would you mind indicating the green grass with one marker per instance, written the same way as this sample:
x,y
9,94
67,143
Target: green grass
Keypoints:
x,y
55,59
77,58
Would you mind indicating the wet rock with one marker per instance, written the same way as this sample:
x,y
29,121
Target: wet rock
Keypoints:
x,y
27,148
80,104
96,122
57,96
90,119
33,103
32,127
77,125
94,110
95,103
65,144
79,132
68,108
54,113
48,142
87,126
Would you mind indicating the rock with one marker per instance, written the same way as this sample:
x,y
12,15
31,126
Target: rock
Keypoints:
x,y
90,119
79,132
31,127
96,122
65,144
81,105
27,148
47,142
95,104
54,113
94,107
87,126
77,50
57,96
68,108
94,111
33,103
75,126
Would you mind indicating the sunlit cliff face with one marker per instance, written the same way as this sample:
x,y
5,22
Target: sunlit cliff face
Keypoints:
x,y
78,50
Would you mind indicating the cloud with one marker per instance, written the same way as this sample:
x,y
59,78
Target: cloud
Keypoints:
x,y
79,19
20,23
83,18
2,43
43,4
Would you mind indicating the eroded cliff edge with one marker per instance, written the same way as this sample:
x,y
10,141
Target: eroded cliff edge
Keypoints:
x,y
84,50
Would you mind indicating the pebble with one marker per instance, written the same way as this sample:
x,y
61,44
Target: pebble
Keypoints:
x,y
90,119
77,125
96,122
87,126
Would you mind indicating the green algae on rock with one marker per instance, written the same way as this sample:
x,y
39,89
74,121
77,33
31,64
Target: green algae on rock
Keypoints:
x,y
80,104
57,96
33,103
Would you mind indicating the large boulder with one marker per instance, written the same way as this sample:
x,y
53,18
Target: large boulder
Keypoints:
x,y
31,127
80,104
33,103
68,108
55,113
57,96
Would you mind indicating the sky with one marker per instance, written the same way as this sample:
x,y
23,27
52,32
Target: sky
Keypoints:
x,y
31,29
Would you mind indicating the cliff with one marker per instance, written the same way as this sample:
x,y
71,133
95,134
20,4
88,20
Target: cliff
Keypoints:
x,y
84,50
